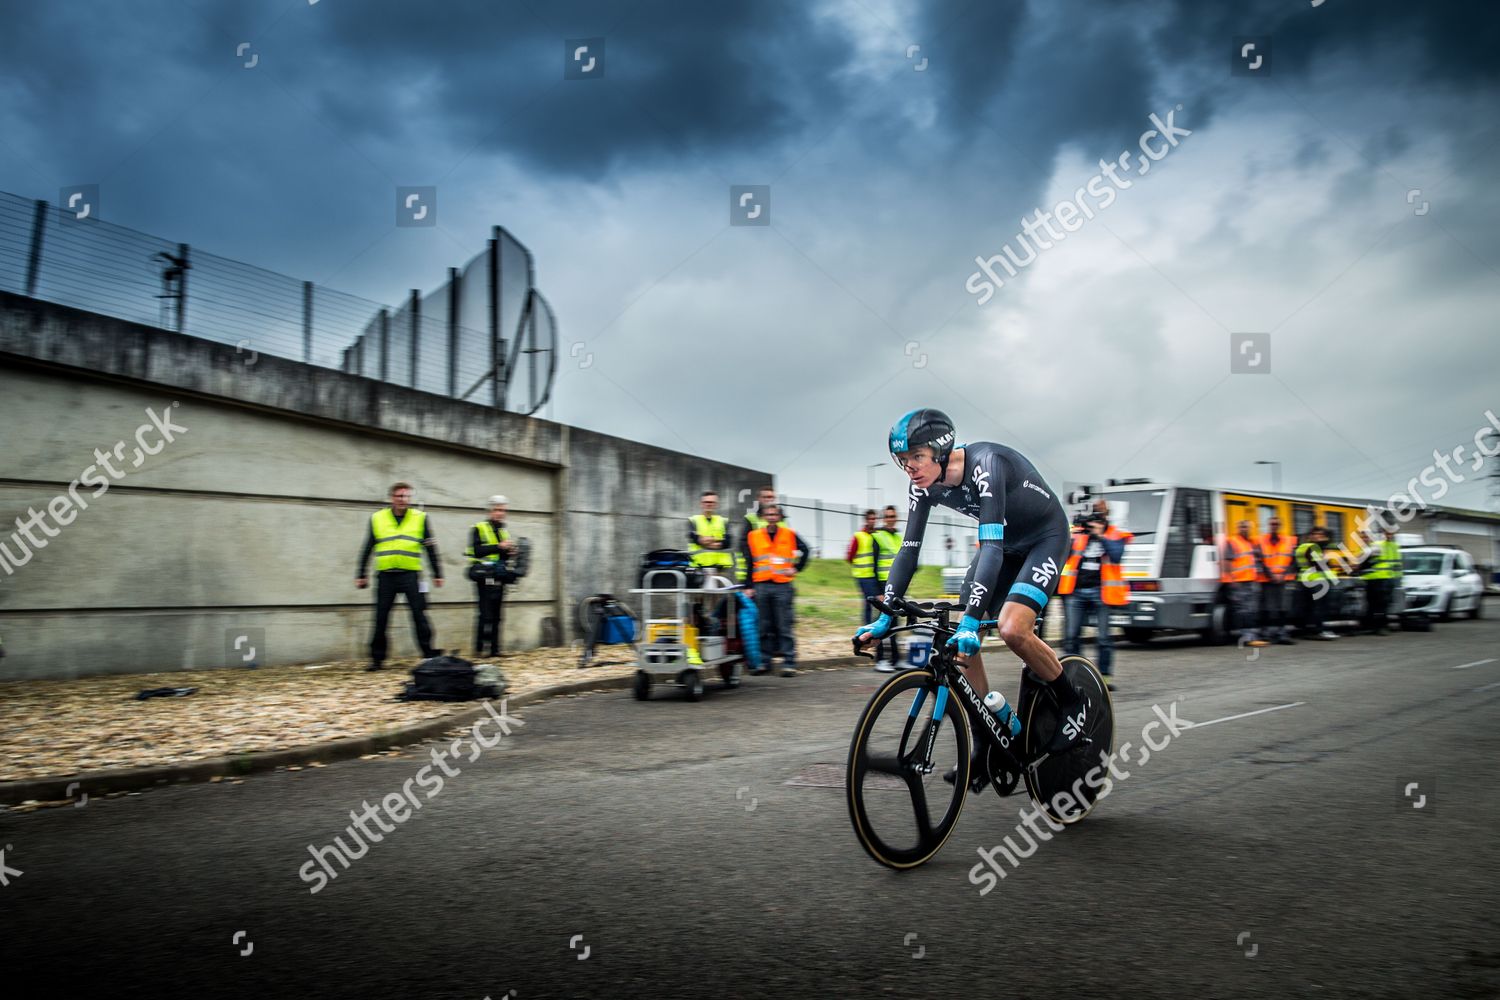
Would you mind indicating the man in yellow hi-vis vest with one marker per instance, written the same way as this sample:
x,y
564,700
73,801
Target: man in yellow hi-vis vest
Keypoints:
x,y
887,544
397,537
861,560
708,536
1380,568
489,545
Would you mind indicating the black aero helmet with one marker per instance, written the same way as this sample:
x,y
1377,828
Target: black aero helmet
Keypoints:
x,y
925,427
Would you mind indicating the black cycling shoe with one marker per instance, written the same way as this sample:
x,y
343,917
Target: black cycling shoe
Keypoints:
x,y
977,781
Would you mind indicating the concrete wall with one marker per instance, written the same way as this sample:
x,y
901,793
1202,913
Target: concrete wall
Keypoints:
x,y
250,521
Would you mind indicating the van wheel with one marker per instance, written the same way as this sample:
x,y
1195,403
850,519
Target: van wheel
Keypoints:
x,y
1138,636
1217,633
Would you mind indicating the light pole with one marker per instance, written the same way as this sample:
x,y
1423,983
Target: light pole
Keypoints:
x,y
1275,473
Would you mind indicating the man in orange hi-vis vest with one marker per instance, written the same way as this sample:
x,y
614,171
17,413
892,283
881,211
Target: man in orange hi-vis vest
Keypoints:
x,y
1238,570
1275,551
1093,583
775,555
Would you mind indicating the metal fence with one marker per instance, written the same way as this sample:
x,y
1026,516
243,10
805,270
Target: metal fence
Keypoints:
x,y
467,339
827,528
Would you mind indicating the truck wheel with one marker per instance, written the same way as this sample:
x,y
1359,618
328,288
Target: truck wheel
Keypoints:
x,y
1138,636
1217,633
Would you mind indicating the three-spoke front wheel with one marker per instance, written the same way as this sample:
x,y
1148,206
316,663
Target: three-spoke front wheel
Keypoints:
x,y
912,733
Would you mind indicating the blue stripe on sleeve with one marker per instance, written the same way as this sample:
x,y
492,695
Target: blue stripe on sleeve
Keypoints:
x,y
991,532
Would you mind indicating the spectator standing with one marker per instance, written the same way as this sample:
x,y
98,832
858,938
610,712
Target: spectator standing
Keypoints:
x,y
887,544
489,547
708,536
1274,551
755,518
861,559
1381,570
1093,583
1238,572
398,535
775,556
1317,580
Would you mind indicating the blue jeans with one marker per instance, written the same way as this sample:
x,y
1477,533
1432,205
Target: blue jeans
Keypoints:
x,y
776,602
868,588
1083,606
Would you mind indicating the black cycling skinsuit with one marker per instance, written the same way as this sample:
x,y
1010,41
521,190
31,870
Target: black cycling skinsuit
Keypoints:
x,y
1023,532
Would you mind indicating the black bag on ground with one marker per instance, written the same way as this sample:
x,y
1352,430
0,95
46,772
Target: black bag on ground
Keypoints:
x,y
451,678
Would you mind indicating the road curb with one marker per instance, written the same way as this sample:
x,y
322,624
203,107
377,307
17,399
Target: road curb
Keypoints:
x,y
138,778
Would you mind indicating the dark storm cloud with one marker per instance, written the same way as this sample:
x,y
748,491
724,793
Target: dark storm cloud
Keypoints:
x,y
1045,74
680,79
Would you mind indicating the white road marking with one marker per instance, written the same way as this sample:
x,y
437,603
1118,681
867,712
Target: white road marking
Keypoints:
x,y
1488,686
1476,663
1245,715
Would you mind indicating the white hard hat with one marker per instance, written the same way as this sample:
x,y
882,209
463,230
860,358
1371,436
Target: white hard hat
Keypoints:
x,y
499,498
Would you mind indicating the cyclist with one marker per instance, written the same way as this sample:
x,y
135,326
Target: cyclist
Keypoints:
x,y
1023,540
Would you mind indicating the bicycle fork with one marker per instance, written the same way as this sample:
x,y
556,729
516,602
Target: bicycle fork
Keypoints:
x,y
927,742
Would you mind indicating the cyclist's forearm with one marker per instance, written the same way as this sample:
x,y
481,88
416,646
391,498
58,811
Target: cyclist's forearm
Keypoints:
x,y
903,567
978,592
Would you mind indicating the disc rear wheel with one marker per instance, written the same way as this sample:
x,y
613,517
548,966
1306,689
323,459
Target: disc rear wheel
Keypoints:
x,y
1067,785
909,736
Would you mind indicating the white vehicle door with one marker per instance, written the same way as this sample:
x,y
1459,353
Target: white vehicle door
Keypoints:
x,y
1468,588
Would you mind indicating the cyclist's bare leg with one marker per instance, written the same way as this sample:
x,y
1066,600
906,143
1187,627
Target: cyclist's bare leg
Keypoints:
x,y
973,671
1017,631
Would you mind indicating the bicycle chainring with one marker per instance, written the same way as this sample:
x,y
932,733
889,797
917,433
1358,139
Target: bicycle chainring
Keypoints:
x,y
1003,781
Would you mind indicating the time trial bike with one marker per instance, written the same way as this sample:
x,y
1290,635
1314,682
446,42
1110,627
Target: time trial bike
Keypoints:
x,y
921,723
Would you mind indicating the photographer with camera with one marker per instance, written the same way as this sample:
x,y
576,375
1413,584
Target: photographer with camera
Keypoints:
x,y
1093,583
489,547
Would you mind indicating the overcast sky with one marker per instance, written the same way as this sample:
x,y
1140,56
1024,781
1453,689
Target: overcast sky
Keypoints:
x,y
1288,210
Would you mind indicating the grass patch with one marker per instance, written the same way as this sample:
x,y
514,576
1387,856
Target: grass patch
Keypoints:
x,y
828,595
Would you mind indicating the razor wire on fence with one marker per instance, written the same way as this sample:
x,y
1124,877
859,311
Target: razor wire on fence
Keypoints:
x,y
486,335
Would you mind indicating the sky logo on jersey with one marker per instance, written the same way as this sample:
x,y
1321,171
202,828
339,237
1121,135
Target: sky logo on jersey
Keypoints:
x,y
982,481
913,495
1044,573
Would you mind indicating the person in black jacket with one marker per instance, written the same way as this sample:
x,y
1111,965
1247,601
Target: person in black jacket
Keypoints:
x,y
489,547
397,536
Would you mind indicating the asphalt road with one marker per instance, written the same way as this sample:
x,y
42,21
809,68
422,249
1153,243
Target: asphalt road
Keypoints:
x,y
1274,854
